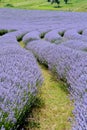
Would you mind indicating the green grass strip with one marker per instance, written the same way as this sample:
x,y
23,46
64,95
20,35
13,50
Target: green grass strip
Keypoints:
x,y
56,113
72,5
58,107
53,109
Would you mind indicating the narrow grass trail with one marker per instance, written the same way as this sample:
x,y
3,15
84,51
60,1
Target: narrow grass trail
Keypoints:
x,y
57,109
55,112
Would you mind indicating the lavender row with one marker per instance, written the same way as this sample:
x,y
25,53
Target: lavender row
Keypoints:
x,y
71,38
19,81
12,36
69,65
27,19
75,44
59,57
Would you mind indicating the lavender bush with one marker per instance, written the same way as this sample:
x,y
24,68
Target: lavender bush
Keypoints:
x,y
75,44
8,39
52,36
43,31
74,34
85,32
34,35
19,81
19,34
69,65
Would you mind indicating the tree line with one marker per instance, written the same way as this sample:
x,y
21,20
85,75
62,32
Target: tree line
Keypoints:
x,y
57,1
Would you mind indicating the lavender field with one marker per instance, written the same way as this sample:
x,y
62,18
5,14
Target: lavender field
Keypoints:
x,y
56,39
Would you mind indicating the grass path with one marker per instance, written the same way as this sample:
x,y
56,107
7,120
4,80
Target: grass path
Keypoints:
x,y
54,115
73,5
56,112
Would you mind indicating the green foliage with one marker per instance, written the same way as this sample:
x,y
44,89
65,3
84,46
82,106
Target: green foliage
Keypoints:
x,y
30,122
65,1
8,5
2,32
27,109
42,35
39,102
55,1
80,32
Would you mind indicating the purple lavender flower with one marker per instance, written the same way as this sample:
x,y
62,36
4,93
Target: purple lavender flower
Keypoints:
x,y
69,65
34,35
75,44
52,36
19,75
19,72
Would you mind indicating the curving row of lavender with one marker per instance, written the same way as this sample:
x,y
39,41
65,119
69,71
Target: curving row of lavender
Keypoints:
x,y
20,78
59,40
72,38
71,66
